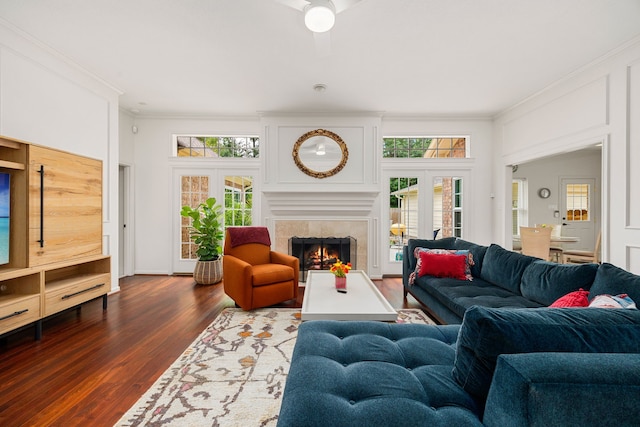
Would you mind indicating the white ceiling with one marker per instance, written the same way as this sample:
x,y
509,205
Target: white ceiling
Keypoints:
x,y
400,57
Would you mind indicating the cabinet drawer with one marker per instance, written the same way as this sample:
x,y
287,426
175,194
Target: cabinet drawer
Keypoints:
x,y
60,298
25,310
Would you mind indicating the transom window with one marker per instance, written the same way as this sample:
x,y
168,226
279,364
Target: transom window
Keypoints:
x,y
217,146
425,147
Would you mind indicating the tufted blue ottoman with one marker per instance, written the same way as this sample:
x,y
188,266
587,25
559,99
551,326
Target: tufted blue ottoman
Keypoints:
x,y
375,374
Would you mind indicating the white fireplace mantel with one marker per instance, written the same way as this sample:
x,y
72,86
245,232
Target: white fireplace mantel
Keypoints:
x,y
345,203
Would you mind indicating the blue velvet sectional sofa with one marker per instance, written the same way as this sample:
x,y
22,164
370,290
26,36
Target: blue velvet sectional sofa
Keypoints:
x,y
511,362
501,368
501,278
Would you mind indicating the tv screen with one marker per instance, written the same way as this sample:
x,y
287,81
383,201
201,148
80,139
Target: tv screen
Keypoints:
x,y
5,210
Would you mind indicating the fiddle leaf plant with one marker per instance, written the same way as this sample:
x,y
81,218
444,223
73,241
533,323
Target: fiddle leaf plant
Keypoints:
x,y
206,228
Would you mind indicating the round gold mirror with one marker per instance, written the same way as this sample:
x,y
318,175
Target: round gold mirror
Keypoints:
x,y
320,153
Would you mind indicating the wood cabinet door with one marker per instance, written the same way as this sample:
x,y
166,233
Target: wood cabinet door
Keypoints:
x,y
65,206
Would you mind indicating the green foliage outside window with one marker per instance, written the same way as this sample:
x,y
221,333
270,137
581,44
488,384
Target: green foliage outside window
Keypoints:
x,y
218,146
233,147
237,212
405,147
396,184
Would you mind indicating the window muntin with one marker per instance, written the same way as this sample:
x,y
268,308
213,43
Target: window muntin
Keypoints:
x,y
457,207
193,191
238,200
578,196
447,206
425,147
403,214
217,146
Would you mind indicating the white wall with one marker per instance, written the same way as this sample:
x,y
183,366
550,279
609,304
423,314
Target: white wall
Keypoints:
x,y
155,208
47,101
600,103
548,173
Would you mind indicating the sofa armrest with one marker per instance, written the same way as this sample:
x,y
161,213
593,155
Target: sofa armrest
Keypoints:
x,y
564,389
406,271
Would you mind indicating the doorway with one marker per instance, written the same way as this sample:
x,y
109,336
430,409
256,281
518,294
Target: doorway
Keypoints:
x,y
572,182
125,267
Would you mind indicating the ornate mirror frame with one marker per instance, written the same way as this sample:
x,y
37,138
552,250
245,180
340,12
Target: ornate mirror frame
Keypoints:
x,y
320,174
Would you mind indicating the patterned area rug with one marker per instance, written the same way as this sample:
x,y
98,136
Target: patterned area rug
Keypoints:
x,y
233,374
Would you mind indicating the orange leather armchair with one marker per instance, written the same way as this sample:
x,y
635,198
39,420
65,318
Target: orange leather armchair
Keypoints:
x,y
254,275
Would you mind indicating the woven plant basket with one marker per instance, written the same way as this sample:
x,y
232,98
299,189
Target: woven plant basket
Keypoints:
x,y
208,272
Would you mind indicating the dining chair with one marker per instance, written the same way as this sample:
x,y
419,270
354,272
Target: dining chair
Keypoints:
x,y
556,251
536,241
581,257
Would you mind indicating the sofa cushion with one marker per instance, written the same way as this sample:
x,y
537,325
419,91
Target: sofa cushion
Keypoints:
x,y
458,295
446,243
564,389
268,274
545,281
504,268
477,251
613,280
374,374
487,333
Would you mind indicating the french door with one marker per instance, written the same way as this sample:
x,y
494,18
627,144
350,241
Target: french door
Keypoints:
x,y
232,188
421,204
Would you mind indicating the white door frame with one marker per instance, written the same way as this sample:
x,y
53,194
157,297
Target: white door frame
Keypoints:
x,y
216,189
125,220
425,206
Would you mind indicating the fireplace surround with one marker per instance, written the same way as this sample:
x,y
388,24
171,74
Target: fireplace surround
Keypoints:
x,y
319,253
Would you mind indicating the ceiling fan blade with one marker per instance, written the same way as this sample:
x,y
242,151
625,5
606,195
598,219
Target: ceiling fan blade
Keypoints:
x,y
296,4
323,44
344,4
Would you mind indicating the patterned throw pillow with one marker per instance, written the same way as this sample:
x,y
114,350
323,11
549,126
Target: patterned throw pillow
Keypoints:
x,y
416,253
573,299
611,301
443,265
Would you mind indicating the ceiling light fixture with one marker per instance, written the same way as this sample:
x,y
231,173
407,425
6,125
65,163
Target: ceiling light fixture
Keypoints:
x,y
319,16
320,87
320,150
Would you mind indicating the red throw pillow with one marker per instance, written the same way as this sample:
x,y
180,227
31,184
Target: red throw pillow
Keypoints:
x,y
443,265
573,299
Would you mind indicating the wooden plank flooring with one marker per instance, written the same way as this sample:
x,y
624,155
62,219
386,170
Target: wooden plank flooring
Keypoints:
x,y
92,365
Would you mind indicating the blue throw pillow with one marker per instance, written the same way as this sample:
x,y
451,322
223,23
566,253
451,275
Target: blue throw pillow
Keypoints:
x,y
545,282
613,280
478,252
487,333
504,268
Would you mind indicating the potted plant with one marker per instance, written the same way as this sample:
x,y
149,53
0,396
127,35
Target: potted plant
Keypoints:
x,y
206,232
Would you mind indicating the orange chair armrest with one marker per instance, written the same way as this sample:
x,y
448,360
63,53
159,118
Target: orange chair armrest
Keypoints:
x,y
237,279
290,260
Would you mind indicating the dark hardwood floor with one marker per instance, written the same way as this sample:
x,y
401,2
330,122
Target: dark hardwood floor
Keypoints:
x,y
92,365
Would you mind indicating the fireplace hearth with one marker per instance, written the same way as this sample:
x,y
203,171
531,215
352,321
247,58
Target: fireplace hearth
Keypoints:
x,y
319,253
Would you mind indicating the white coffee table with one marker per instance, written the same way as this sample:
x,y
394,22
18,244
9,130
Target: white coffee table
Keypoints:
x,y
363,301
